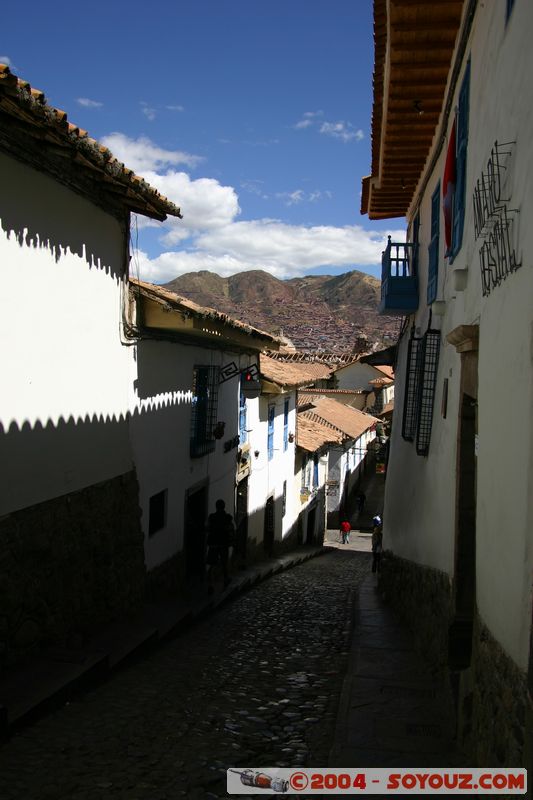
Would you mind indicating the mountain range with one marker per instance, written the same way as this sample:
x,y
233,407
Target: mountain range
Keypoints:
x,y
334,313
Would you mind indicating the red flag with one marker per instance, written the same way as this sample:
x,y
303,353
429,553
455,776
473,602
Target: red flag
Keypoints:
x,y
448,189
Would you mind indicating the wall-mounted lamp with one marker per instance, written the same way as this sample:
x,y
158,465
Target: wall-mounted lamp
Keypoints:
x,y
218,431
256,453
291,437
417,105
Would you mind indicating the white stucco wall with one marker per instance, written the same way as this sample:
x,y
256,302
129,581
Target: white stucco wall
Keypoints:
x,y
160,434
65,373
267,477
356,376
420,492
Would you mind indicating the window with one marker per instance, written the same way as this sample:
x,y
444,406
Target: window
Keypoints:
x,y
427,384
270,434
412,378
204,410
157,512
243,433
461,120
509,9
284,499
420,383
315,472
286,425
433,261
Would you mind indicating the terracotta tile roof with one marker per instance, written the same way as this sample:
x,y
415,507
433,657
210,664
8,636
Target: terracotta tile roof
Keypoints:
x,y
381,381
173,301
43,137
387,371
306,396
292,373
350,421
312,434
332,391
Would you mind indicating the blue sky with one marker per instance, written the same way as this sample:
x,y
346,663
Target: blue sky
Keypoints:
x,y
253,117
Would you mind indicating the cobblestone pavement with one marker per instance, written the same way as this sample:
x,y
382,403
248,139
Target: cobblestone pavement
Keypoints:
x,y
255,684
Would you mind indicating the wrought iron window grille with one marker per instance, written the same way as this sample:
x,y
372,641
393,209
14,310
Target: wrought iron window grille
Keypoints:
x,y
426,390
204,410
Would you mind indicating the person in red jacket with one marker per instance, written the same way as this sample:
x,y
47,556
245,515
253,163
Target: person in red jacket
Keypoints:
x,y
345,531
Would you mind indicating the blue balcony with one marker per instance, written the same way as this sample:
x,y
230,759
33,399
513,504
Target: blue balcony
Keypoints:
x,y
399,279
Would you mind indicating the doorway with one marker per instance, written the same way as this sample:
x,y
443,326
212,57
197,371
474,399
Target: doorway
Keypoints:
x,y
269,527
195,536
241,520
460,640
311,522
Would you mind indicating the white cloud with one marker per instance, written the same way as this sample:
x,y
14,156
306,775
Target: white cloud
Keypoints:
x,y
175,108
204,202
84,101
309,118
210,236
148,111
342,130
283,250
142,154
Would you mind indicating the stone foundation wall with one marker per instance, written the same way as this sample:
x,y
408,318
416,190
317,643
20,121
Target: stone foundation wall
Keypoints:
x,y
68,565
167,579
491,695
422,598
493,713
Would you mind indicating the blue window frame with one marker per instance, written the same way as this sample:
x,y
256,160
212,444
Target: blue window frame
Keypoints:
x,y
243,433
433,260
315,472
286,425
270,434
204,410
460,165
284,499
508,11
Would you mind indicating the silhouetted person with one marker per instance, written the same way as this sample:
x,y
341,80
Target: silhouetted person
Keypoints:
x,y
377,543
220,533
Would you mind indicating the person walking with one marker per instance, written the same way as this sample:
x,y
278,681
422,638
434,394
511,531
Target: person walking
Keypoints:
x,y
220,534
377,543
345,531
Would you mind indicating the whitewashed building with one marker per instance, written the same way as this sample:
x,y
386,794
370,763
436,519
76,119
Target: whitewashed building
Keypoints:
x,y
187,430
70,540
347,457
273,490
313,442
453,151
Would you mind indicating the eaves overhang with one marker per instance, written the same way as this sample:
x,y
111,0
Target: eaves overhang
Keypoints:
x,y
165,312
414,44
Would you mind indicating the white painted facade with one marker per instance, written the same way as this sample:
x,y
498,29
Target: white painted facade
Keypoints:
x,y
345,468
160,434
272,477
420,503
359,376
310,480
65,371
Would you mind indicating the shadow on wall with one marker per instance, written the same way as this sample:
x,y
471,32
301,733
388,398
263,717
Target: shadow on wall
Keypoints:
x,y
159,371
40,213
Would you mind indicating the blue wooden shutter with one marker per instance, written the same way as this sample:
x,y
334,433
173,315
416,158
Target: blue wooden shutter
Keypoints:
x,y
270,432
433,260
460,166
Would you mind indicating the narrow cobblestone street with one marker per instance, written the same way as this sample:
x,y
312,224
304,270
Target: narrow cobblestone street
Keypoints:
x,y
255,684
